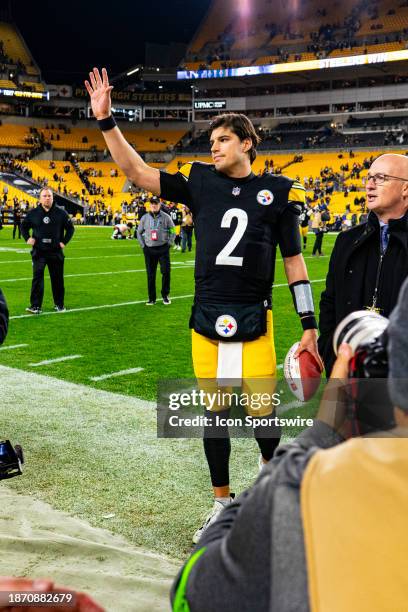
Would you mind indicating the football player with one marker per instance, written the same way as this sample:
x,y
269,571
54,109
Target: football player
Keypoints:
x,y
304,218
239,219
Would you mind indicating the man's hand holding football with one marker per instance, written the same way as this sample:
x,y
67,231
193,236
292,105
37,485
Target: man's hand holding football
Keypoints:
x,y
308,343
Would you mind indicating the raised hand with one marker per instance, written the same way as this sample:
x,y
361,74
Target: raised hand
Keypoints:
x,y
99,91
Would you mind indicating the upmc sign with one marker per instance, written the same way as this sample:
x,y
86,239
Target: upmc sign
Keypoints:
x,y
210,104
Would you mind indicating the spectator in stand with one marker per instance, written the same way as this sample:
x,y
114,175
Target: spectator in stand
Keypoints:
x,y
318,228
187,228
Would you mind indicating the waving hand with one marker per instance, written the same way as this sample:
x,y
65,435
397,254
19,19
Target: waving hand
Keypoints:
x,y
99,91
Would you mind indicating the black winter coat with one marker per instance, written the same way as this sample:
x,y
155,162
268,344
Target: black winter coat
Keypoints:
x,y
4,317
354,266
48,228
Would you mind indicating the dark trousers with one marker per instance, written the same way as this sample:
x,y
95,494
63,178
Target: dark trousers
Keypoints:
x,y
153,256
16,227
186,238
55,263
317,247
217,446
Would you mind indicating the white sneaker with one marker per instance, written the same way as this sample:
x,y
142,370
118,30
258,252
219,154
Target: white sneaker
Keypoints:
x,y
217,508
60,309
261,463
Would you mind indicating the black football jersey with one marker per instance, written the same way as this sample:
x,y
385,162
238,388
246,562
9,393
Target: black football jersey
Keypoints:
x,y
304,215
238,225
176,215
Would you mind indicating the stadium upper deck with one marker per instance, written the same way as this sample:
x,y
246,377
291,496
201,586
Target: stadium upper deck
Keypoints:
x,y
262,32
18,69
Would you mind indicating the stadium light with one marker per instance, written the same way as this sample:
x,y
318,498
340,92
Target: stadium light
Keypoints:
x,y
133,71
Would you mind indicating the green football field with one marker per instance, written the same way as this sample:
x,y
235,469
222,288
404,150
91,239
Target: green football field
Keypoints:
x,y
90,437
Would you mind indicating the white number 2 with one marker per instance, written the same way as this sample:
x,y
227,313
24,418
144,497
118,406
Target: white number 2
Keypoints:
x,y
224,257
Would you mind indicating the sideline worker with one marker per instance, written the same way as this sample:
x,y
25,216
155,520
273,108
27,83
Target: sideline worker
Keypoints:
x,y
155,235
52,229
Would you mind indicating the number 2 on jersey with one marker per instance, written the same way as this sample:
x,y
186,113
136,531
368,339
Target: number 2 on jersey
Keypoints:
x,y
224,257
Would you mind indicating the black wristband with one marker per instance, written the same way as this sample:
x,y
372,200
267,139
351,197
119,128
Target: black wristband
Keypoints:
x,y
106,124
308,322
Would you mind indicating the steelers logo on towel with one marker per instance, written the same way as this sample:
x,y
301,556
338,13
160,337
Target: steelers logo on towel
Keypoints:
x,y
226,326
265,197
46,220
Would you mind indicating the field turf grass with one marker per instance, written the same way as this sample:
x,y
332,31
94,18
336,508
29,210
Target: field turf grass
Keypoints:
x,y
93,460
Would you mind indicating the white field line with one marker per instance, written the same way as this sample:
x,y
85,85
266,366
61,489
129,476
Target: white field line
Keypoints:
x,y
50,391
280,366
103,246
100,307
13,250
178,265
286,407
57,360
12,347
188,261
28,261
116,374
72,247
120,304
55,391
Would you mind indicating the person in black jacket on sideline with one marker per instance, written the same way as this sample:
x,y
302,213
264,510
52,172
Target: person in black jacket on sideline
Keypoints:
x,y
4,317
369,262
51,230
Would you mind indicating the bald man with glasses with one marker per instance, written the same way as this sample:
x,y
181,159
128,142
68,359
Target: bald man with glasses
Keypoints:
x,y
369,262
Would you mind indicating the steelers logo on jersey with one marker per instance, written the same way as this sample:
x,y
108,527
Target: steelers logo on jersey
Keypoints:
x,y
226,326
46,220
264,197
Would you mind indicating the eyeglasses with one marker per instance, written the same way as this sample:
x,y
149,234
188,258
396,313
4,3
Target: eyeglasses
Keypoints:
x,y
379,179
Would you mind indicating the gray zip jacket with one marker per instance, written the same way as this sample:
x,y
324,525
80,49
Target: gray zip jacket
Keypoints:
x,y
252,558
160,225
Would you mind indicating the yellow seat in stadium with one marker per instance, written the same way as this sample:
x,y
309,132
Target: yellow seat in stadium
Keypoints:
x,y
83,139
12,135
13,192
6,84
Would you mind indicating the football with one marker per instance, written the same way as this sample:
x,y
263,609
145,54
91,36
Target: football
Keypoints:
x,y
302,373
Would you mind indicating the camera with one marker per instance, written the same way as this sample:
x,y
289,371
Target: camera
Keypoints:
x,y
369,407
11,460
